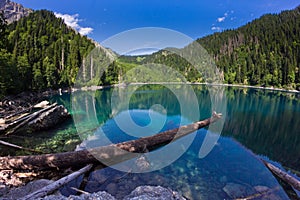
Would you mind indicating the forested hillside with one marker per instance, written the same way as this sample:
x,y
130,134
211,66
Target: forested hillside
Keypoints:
x,y
264,52
38,52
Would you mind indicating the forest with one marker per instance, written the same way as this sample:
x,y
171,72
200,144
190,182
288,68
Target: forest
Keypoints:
x,y
264,52
38,52
43,52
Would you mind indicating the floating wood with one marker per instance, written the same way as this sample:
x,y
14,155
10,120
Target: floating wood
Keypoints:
x,y
283,175
108,155
57,184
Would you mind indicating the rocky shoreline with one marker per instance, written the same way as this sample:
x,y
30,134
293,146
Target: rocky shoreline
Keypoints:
x,y
139,193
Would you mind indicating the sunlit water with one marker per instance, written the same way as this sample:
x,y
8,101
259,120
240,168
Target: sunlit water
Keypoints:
x,y
258,123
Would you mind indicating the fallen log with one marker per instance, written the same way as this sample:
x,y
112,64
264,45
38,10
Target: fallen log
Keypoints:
x,y
10,117
40,120
29,118
283,175
109,155
57,184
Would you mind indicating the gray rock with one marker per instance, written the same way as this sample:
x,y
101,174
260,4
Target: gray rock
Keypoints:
x,y
94,196
22,191
235,190
260,188
153,193
13,11
111,188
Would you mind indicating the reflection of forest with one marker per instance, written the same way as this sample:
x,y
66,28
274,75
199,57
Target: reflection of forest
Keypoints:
x,y
267,122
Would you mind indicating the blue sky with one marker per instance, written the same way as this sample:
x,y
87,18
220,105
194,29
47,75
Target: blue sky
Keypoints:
x,y
196,18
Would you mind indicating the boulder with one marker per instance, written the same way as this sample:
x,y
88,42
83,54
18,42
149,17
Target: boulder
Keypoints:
x,y
235,190
22,191
153,193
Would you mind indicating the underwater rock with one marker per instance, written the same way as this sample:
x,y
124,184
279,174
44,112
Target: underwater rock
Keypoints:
x,y
22,191
153,193
223,179
235,190
98,195
142,163
111,188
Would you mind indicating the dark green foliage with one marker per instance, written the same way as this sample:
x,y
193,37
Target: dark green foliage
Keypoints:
x,y
264,52
45,51
40,51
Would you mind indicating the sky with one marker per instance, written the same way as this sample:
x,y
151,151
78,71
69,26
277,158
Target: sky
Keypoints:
x,y
102,19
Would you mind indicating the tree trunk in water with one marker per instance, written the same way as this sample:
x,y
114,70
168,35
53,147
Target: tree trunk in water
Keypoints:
x,y
108,155
283,175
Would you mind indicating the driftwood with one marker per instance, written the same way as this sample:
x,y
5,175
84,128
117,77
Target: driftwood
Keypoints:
x,y
18,147
29,118
283,175
57,184
109,155
42,119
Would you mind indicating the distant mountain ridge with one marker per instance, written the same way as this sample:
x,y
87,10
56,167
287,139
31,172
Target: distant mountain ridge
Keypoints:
x,y
13,11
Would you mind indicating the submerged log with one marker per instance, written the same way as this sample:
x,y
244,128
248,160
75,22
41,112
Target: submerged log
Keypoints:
x,y
283,175
109,155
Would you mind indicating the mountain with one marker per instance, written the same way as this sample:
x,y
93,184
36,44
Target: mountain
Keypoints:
x,y
264,52
13,11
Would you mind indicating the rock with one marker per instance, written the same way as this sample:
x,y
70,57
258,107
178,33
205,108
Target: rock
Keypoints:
x,y
94,196
235,190
223,179
142,163
3,189
111,188
22,191
153,193
13,11
261,188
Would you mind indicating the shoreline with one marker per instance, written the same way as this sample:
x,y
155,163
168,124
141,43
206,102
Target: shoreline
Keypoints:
x,y
93,88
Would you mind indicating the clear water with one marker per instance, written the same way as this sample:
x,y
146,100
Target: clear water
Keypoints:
x,y
257,122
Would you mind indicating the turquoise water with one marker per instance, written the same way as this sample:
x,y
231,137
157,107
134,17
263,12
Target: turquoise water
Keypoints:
x,y
257,123
261,122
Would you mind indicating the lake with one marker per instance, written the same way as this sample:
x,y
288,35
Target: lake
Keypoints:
x,y
257,124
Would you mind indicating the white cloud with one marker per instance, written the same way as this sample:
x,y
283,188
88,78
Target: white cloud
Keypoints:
x,y
221,19
73,22
85,31
216,28
226,14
